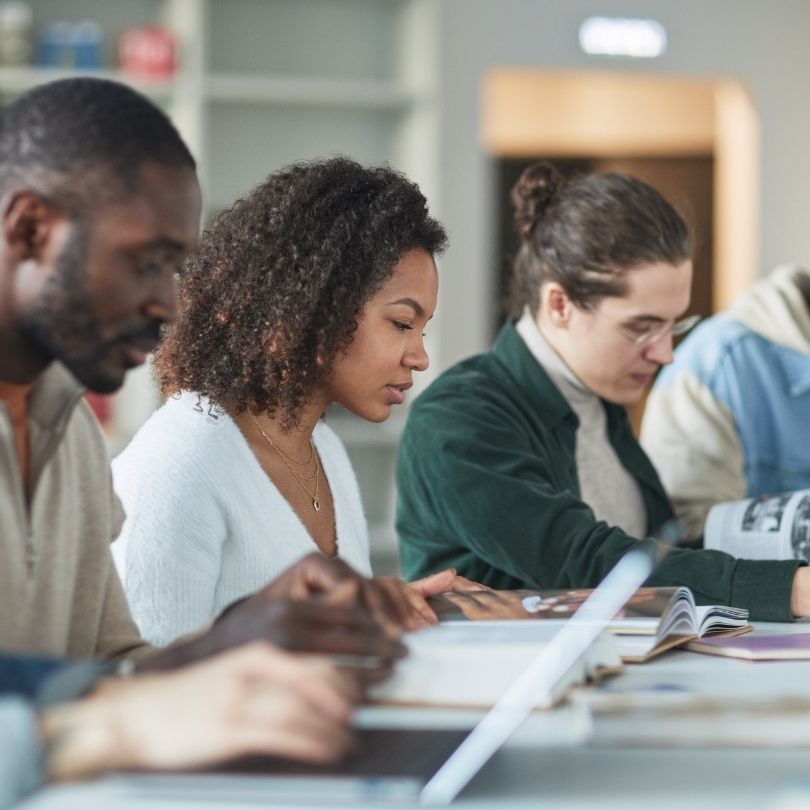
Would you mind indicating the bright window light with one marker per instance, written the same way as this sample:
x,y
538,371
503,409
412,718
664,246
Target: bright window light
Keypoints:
x,y
616,36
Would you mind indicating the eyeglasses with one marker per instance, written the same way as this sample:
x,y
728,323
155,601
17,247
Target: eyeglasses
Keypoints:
x,y
646,337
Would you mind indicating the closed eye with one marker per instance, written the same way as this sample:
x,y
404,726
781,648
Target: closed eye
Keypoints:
x,y
402,326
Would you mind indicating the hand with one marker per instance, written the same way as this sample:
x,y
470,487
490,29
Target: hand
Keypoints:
x,y
490,604
409,599
254,700
800,593
299,626
333,582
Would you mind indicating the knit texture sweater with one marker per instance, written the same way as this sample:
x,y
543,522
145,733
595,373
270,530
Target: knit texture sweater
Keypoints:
x,y
59,591
205,524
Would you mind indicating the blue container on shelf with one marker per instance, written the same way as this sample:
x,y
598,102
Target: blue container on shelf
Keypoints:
x,y
71,45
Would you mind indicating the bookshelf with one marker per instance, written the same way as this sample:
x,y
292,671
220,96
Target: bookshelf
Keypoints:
x,y
262,83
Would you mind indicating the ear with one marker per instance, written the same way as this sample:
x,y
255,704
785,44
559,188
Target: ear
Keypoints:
x,y
555,305
29,222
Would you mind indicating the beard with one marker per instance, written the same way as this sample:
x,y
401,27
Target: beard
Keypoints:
x,y
63,325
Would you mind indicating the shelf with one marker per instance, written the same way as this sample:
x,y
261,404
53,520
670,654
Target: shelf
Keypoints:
x,y
22,79
309,91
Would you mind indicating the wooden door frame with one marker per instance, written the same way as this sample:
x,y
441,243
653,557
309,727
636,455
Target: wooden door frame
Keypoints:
x,y
529,112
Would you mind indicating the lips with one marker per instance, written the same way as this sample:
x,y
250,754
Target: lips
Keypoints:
x,y
138,350
396,392
641,379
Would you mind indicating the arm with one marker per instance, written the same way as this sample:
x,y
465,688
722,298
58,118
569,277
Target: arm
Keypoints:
x,y
21,754
472,475
692,440
169,551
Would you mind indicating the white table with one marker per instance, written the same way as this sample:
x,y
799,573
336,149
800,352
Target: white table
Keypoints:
x,y
546,764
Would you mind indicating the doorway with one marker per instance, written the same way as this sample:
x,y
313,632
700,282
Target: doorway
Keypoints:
x,y
695,140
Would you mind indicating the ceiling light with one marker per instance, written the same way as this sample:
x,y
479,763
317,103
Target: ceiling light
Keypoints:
x,y
618,36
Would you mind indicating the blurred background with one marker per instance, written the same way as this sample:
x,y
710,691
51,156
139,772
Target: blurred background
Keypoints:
x,y
705,100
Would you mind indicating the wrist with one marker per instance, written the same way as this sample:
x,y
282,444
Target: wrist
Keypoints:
x,y
800,593
82,737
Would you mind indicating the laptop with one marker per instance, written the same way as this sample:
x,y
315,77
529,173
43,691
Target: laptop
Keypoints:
x,y
411,766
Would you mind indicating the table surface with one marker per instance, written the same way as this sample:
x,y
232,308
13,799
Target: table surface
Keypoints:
x,y
546,763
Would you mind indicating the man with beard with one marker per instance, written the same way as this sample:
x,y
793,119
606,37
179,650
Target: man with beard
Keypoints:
x,y
99,205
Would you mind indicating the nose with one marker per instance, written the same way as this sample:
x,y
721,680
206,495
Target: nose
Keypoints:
x,y
162,303
416,357
660,351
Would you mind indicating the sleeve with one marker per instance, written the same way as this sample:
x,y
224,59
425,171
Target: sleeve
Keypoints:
x,y
692,440
171,540
25,675
470,476
21,752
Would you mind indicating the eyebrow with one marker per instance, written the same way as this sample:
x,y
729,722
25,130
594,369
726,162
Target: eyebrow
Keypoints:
x,y
164,242
409,302
643,319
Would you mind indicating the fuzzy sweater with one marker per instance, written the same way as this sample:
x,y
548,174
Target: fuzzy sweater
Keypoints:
x,y
205,525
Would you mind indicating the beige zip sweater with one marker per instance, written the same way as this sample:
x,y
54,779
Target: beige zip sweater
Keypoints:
x,y
59,591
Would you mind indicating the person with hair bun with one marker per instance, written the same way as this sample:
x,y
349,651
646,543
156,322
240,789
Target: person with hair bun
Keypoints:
x,y
518,467
315,288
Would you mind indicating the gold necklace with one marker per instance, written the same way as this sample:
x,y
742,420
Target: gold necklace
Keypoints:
x,y
316,504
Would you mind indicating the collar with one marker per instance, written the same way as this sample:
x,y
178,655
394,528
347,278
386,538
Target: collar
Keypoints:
x,y
531,378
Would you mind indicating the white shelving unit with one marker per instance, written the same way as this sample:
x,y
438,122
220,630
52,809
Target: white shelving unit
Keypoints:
x,y
262,83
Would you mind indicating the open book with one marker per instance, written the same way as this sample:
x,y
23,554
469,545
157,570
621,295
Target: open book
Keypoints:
x,y
775,527
654,620
473,664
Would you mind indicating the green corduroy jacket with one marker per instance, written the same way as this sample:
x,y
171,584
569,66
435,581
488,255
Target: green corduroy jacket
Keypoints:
x,y
487,484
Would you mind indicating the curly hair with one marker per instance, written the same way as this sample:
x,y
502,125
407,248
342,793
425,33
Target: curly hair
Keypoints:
x,y
281,277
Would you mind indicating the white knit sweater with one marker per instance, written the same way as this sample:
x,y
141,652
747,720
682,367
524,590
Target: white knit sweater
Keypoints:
x,y
205,525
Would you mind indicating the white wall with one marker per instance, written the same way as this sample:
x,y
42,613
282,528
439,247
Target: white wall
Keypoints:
x,y
765,44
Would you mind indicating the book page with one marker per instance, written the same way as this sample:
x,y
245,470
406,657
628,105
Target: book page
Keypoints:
x,y
766,528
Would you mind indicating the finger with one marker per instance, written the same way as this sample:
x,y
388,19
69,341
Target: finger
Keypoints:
x,y
464,585
435,583
297,733
411,608
369,598
316,681
426,614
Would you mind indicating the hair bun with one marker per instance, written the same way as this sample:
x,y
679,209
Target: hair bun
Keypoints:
x,y
532,194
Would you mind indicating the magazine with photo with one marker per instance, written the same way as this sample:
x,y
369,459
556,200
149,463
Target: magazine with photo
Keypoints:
x,y
773,527
654,619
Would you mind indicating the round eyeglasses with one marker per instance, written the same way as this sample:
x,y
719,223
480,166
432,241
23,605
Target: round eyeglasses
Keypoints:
x,y
646,337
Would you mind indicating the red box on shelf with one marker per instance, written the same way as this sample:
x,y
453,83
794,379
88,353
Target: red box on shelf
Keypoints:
x,y
147,51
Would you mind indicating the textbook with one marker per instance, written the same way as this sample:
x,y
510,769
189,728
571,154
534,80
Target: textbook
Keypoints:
x,y
774,527
654,620
757,647
471,665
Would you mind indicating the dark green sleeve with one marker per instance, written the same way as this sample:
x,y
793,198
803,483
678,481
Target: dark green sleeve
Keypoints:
x,y
478,491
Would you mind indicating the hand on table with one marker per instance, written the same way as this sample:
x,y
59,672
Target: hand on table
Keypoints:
x,y
253,700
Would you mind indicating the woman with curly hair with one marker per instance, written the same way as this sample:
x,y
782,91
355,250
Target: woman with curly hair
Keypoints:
x,y
313,289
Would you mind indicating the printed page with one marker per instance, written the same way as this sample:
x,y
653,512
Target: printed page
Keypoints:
x,y
767,528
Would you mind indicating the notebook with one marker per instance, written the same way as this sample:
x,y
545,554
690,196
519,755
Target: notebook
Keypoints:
x,y
415,766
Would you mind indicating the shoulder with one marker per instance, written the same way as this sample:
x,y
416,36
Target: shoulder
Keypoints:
x,y
477,379
184,440
716,345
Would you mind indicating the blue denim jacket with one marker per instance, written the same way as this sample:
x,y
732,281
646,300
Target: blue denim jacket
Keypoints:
x,y
766,387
